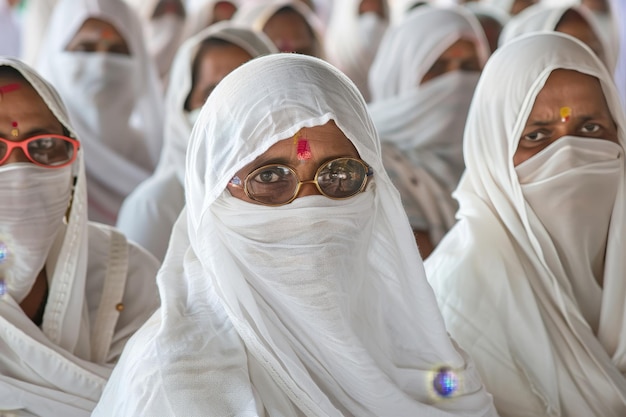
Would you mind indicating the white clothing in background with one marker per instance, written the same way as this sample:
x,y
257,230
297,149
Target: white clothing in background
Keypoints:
x,y
36,16
513,278
114,101
163,34
101,290
316,308
424,122
539,18
618,9
10,30
352,40
255,15
148,214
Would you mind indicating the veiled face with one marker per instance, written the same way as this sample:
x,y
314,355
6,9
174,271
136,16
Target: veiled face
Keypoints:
x,y
290,32
589,114
460,56
325,142
96,35
212,65
573,24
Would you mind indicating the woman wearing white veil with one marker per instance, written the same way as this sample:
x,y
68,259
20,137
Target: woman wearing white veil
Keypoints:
x,y
531,278
316,307
71,292
114,99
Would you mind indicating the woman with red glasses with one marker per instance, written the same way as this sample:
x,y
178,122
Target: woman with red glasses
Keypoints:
x,y
292,285
71,292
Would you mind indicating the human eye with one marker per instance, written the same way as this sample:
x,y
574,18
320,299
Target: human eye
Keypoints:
x,y
590,128
49,151
271,175
535,136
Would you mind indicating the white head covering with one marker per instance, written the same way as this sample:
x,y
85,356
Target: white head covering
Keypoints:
x,y
548,339
123,134
424,122
200,16
148,214
289,311
352,40
539,18
54,367
256,16
618,9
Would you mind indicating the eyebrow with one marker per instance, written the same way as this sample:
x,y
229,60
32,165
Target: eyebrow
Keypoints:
x,y
584,118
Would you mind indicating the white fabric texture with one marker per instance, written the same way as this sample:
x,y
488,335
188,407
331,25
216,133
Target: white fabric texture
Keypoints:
x,y
618,9
163,34
10,30
515,278
114,102
148,214
539,18
352,40
61,368
289,311
424,122
256,15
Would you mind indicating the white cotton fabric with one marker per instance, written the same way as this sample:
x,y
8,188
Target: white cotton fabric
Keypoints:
x,y
618,10
515,283
163,34
424,122
289,311
256,15
10,30
61,368
539,18
114,102
148,214
352,40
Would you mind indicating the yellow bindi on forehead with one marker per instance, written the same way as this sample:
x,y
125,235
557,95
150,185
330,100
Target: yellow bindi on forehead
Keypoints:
x,y
565,113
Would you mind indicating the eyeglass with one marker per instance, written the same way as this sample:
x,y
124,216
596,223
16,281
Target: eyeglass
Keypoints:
x,y
50,151
277,184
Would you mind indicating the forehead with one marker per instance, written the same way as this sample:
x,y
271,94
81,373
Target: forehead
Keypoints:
x,y
572,88
23,104
96,28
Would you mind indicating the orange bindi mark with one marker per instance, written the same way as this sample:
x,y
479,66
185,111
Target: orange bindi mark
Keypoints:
x,y
107,33
565,113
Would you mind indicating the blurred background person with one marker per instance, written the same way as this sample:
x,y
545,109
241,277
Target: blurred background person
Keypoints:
x,y
353,34
148,214
95,56
422,81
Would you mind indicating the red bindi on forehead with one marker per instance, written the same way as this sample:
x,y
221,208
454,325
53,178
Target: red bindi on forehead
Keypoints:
x,y
8,88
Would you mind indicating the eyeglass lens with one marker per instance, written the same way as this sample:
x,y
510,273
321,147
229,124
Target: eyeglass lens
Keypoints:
x,y
277,184
51,151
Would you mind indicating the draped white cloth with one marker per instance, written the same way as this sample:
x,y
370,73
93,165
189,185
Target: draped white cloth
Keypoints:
x,y
114,101
352,40
618,9
61,368
256,15
424,122
163,34
513,278
36,16
540,18
289,311
148,214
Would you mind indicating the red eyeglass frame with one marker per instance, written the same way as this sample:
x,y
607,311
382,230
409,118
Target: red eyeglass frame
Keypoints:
x,y
23,145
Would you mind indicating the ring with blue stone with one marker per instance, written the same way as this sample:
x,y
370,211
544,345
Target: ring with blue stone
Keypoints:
x,y
445,382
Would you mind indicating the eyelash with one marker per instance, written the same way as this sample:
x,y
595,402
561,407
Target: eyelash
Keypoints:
x,y
596,126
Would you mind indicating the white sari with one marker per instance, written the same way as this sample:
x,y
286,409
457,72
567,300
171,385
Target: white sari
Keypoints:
x,y
516,293
118,113
287,311
101,290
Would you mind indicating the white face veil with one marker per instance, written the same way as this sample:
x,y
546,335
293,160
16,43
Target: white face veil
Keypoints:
x,y
293,332
539,18
121,122
557,323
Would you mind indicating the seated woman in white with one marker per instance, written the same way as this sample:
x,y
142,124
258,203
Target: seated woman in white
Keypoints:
x,y
531,279
292,285
148,214
71,292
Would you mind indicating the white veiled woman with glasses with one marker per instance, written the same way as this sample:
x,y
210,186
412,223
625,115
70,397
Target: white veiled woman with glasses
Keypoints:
x,y
531,278
71,292
279,303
